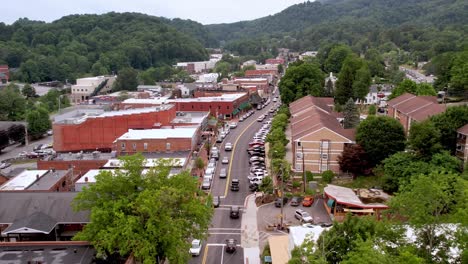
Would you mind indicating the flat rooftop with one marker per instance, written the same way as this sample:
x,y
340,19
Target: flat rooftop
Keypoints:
x,y
23,180
70,254
47,181
190,117
84,156
80,116
151,101
161,133
227,97
90,176
150,162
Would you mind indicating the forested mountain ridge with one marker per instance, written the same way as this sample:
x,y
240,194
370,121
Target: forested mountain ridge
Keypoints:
x,y
76,45
389,24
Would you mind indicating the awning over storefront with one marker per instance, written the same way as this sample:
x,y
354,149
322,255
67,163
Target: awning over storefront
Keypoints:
x,y
235,111
330,203
244,105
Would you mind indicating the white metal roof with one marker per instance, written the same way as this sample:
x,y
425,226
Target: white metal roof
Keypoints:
x,y
154,101
134,111
162,133
347,196
116,163
23,180
229,97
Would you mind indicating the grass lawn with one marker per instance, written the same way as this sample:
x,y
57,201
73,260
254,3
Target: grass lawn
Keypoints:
x,y
364,182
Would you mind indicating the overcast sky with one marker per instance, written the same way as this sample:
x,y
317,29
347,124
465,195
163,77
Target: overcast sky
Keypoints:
x,y
203,11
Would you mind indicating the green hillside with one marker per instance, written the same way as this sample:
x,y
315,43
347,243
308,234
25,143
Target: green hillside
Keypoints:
x,y
98,44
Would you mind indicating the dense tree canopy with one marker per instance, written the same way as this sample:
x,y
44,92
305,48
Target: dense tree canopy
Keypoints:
x,y
408,86
100,44
448,122
153,216
38,122
380,136
302,79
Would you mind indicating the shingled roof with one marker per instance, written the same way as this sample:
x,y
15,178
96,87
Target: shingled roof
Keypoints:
x,y
463,130
418,108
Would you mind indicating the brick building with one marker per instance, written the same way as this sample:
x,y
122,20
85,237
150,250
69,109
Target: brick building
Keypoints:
x,y
97,130
274,61
461,149
408,108
4,74
40,180
317,136
157,140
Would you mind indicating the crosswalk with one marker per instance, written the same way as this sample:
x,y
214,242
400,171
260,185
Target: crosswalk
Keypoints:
x,y
224,231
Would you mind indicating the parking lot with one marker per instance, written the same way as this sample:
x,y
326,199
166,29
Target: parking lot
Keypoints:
x,y
269,215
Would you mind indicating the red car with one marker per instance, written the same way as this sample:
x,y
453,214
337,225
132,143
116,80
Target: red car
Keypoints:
x,y
308,201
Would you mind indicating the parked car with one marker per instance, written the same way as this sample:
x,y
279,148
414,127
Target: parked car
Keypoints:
x,y
303,216
215,155
256,180
4,165
235,185
308,201
37,147
196,247
219,139
216,201
233,125
253,187
206,184
228,146
223,173
279,199
295,201
235,212
209,173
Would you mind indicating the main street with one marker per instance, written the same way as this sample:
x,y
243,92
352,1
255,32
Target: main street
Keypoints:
x,y
222,226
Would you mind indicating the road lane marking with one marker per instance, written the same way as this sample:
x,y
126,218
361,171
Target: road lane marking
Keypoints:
x,y
232,156
205,253
219,245
222,255
224,228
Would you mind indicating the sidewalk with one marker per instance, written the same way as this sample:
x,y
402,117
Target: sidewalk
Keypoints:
x,y
249,234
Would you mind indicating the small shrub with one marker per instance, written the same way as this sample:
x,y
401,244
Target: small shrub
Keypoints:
x,y
327,176
296,184
309,176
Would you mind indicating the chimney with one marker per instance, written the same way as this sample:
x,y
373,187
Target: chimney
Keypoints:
x,y
37,176
86,179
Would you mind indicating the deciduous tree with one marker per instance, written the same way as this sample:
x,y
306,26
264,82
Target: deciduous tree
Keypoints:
x,y
424,139
126,80
38,122
448,122
354,160
152,216
380,136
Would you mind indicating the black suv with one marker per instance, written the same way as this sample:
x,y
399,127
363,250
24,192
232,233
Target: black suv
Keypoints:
x,y
234,214
278,201
235,185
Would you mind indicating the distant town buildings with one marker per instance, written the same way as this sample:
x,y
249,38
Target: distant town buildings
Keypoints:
x,y
87,87
308,54
408,108
378,95
4,74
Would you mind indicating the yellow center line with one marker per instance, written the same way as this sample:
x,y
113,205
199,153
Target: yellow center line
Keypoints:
x,y
205,254
232,156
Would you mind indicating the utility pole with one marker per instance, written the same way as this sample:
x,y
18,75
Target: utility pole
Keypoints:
x,y
303,167
282,196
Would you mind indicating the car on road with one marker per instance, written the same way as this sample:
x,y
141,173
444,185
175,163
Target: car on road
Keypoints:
x,y
50,132
308,201
211,165
225,160
223,173
233,125
241,119
235,212
209,173
219,139
4,165
279,199
235,185
215,155
196,247
303,216
231,245
256,180
260,118
228,146
206,184
295,201
216,201
37,147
